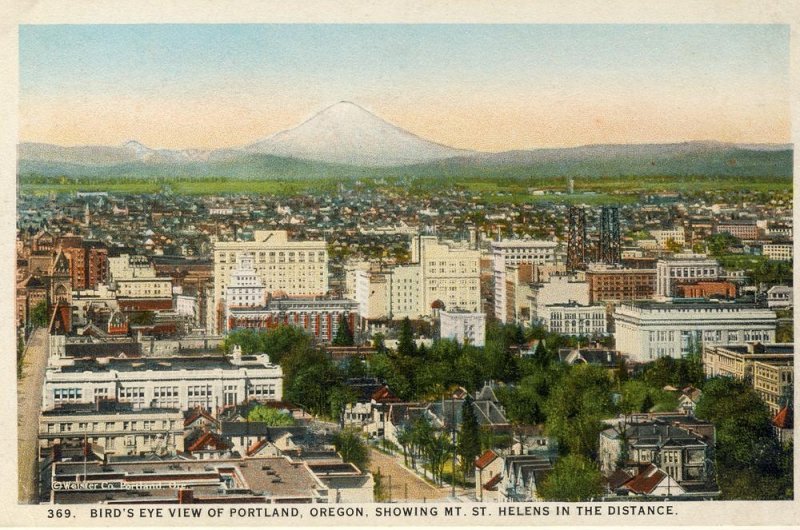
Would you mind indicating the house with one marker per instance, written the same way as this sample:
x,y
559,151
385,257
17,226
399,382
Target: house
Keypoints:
x,y
687,400
509,478
678,446
783,424
488,472
653,482
780,296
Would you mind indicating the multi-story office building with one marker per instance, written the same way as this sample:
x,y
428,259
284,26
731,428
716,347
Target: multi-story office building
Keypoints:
x,y
743,229
645,331
675,235
769,368
616,284
444,274
515,252
318,317
450,274
298,268
463,327
574,319
117,427
779,252
684,268
171,382
245,289
136,277
560,289
88,261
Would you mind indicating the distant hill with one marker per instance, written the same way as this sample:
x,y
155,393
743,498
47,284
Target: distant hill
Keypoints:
x,y
345,140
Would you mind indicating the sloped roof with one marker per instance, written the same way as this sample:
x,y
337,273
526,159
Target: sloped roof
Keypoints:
x,y
208,440
784,419
384,395
491,485
646,480
485,459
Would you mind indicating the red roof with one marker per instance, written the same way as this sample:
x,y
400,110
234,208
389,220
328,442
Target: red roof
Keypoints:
x,y
256,446
144,304
485,459
493,482
784,419
207,440
646,481
196,414
384,395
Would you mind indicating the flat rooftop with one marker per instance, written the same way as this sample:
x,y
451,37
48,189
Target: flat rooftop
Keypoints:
x,y
162,364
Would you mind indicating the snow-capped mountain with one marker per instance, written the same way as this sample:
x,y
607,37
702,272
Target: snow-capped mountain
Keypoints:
x,y
346,133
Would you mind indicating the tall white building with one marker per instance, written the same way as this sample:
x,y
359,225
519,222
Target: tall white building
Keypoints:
x,y
450,273
463,327
246,288
645,331
294,267
684,268
560,289
514,252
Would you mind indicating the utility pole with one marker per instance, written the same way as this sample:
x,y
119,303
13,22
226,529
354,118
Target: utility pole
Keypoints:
x,y
453,470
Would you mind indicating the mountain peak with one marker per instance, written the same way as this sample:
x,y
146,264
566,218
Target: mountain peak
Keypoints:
x,y
347,133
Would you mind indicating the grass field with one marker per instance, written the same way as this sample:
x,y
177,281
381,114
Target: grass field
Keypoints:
x,y
621,190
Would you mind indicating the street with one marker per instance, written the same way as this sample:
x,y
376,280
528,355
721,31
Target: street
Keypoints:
x,y
405,484
29,403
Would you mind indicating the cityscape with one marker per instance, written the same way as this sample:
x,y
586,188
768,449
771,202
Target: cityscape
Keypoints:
x,y
346,311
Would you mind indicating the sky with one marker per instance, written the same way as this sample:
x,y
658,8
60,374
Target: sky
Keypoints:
x,y
483,87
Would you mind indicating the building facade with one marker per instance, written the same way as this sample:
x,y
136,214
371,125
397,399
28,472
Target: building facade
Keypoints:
x,y
574,319
298,268
117,428
779,252
463,327
645,331
509,252
318,317
163,382
684,268
769,368
615,284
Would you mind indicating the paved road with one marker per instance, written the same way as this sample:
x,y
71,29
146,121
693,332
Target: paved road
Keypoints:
x,y
407,486
29,404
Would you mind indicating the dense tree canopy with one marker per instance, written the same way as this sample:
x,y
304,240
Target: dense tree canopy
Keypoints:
x,y
271,416
574,478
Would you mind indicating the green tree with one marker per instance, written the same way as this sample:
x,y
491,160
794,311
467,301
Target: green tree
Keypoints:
x,y
271,416
344,335
749,460
469,438
340,397
405,344
378,342
576,407
719,244
350,443
574,478
39,316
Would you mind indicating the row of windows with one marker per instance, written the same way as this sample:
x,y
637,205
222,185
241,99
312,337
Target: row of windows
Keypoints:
x,y
67,393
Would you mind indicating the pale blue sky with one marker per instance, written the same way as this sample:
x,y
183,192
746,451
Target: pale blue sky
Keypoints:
x,y
580,81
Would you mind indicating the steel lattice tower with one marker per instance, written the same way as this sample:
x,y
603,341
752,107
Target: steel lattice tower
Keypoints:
x,y
609,249
576,246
